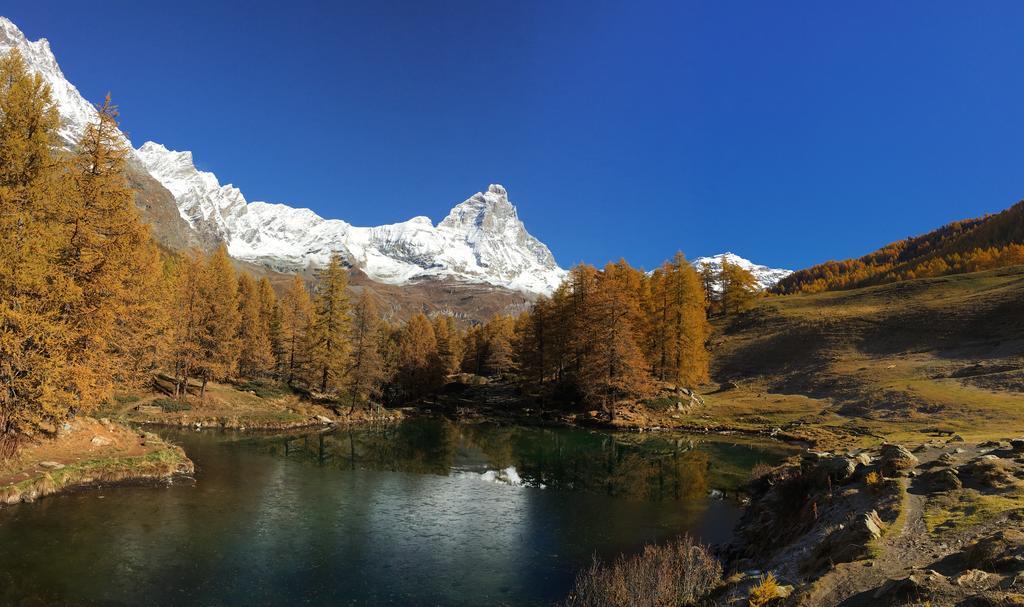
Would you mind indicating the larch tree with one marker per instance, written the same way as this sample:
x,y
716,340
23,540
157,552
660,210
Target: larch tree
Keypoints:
x,y
614,367
255,356
367,370
144,339
449,344
219,337
296,321
186,277
34,381
739,288
102,242
499,335
688,329
418,365
332,322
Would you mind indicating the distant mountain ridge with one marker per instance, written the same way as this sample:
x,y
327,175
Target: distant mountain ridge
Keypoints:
x,y
766,277
970,245
481,240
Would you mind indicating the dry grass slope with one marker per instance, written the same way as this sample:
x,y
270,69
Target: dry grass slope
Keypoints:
x,y
938,353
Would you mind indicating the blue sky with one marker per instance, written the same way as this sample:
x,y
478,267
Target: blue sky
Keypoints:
x,y
787,132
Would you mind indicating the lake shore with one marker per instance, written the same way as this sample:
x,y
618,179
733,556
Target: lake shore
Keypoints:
x,y
90,452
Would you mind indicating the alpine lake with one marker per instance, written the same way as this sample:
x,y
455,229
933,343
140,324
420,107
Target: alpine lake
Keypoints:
x,y
426,512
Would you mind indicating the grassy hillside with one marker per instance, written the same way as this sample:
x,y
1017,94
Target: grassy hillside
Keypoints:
x,y
937,352
971,245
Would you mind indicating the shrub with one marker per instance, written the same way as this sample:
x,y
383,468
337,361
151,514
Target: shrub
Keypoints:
x,y
873,481
766,591
681,572
662,403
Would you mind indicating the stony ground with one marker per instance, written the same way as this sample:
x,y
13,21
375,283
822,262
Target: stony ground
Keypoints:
x,y
941,526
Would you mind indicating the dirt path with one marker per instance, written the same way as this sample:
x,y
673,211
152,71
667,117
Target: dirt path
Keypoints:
x,y
905,546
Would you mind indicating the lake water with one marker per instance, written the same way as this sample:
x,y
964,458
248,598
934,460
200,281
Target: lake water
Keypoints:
x,y
428,512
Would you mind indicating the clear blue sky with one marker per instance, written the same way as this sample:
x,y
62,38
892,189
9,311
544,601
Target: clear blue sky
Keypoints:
x,y
787,132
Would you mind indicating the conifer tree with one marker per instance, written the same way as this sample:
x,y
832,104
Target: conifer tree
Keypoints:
x,y
499,334
613,367
255,356
418,365
450,348
187,278
296,312
366,370
34,381
330,331
144,338
688,331
739,288
219,337
102,243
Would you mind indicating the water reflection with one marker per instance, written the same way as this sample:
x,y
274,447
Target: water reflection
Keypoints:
x,y
649,467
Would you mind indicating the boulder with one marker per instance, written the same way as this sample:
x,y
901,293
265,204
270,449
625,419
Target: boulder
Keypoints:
x,y
946,459
1017,444
895,459
972,578
51,465
101,441
863,458
988,471
838,468
847,543
944,480
901,590
1000,552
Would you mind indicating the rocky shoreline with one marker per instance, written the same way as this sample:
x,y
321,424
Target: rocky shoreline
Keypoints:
x,y
942,525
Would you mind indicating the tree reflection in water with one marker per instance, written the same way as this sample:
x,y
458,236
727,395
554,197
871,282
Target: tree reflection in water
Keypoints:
x,y
662,467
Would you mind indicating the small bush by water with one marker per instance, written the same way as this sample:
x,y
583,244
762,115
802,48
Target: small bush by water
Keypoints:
x,y
681,572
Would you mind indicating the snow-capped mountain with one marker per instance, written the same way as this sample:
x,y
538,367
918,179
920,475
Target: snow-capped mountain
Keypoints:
x,y
481,239
766,277
75,111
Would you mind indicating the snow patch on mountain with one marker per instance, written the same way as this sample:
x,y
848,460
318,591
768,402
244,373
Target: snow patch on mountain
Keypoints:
x,y
481,240
75,111
766,277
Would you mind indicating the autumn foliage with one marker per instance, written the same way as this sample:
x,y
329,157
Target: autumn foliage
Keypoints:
x,y
972,245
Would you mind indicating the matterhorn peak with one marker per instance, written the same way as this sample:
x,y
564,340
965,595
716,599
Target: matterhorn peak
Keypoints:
x,y
497,188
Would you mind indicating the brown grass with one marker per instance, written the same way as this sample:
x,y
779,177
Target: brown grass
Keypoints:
x,y
681,572
766,591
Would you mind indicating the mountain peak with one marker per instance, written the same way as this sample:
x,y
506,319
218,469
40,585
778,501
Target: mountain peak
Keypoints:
x,y
75,111
766,277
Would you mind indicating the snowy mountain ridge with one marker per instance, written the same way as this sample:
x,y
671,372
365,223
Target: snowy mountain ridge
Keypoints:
x,y
481,239
766,277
